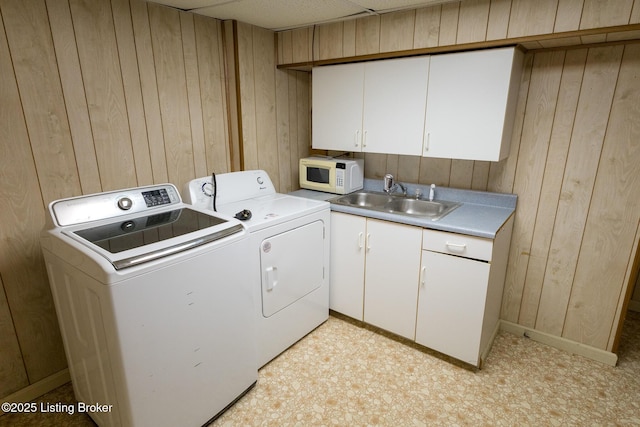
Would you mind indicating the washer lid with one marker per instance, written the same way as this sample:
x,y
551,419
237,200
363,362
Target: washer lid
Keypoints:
x,y
154,236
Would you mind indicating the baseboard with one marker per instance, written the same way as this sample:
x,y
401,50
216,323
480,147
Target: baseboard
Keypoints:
x,y
634,305
35,390
560,343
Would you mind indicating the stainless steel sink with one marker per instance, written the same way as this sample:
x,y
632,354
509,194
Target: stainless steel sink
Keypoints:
x,y
397,204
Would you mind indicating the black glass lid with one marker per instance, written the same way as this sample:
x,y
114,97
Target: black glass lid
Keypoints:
x,y
144,230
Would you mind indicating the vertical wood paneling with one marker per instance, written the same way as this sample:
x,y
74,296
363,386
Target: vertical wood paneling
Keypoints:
x,y
213,95
568,15
74,95
550,192
248,98
149,87
133,94
330,40
36,159
368,35
605,13
408,168
285,47
501,174
13,375
635,13
461,173
302,44
480,175
82,87
19,195
498,22
101,73
435,171
473,21
168,53
449,24
536,131
303,109
36,71
192,75
582,162
529,17
397,30
283,131
265,92
427,27
611,225
349,38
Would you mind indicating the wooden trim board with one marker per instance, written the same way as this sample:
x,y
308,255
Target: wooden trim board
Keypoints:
x,y
37,389
560,343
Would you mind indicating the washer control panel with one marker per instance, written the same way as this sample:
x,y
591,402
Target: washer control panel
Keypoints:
x,y
92,207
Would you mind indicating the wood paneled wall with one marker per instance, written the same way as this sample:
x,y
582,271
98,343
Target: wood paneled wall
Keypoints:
x,y
275,109
574,153
574,168
96,95
537,23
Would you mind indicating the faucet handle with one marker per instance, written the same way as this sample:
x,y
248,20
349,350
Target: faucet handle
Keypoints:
x,y
418,193
388,182
432,192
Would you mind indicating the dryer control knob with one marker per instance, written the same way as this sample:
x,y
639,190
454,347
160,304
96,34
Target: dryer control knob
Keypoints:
x,y
125,203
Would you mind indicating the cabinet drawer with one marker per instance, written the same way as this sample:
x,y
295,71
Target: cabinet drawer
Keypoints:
x,y
457,244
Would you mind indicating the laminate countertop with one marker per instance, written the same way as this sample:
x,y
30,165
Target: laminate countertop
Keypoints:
x,y
480,214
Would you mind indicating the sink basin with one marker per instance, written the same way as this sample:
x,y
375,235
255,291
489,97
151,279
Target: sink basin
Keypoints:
x,y
396,204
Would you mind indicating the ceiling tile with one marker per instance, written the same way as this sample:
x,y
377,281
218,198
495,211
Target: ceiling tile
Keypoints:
x,y
281,14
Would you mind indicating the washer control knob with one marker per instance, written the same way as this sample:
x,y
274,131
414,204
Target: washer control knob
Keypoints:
x,y
125,203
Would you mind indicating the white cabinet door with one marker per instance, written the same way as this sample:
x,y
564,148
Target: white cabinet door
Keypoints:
x,y
471,104
391,276
451,305
337,94
346,294
395,94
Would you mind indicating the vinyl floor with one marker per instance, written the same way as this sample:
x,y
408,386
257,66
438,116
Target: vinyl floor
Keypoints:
x,y
344,374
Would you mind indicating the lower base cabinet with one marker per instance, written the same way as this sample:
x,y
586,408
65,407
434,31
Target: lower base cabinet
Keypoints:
x,y
441,289
452,296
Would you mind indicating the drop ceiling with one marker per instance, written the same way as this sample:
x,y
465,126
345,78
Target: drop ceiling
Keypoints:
x,y
286,14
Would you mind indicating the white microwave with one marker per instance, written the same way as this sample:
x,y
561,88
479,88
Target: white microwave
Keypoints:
x,y
339,176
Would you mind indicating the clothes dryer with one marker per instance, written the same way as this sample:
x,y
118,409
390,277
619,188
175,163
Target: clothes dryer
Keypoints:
x,y
288,257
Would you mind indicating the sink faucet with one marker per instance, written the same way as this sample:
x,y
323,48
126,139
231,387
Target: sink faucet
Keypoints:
x,y
389,186
432,191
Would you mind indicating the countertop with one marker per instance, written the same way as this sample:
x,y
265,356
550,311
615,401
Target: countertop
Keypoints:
x,y
480,214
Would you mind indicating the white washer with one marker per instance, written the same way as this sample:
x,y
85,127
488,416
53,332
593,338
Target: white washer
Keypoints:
x,y
289,254
154,305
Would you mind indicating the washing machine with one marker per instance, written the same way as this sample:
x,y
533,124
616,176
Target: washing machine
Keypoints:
x,y
154,305
289,253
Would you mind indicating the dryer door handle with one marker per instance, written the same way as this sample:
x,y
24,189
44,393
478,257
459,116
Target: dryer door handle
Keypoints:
x,y
271,276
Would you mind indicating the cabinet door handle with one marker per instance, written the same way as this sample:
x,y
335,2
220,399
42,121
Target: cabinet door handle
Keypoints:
x,y
422,276
456,247
364,138
368,242
356,138
360,240
426,147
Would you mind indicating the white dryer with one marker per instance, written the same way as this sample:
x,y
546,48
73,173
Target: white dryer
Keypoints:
x,y
154,304
289,254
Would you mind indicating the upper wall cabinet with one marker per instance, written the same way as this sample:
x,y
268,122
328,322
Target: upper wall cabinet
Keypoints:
x,y
375,107
471,104
379,106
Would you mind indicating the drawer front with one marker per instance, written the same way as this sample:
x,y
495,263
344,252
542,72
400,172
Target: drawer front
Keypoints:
x,y
457,244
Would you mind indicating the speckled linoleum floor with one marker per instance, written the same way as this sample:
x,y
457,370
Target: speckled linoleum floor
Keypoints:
x,y
346,375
